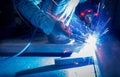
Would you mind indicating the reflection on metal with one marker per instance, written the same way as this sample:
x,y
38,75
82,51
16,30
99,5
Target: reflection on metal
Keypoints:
x,y
78,61
36,49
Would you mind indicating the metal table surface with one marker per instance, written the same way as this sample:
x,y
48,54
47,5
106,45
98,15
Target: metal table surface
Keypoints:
x,y
10,66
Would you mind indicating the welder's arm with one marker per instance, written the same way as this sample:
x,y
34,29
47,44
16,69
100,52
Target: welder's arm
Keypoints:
x,y
35,15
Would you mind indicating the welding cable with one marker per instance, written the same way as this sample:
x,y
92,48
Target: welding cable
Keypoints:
x,y
30,40
28,45
24,49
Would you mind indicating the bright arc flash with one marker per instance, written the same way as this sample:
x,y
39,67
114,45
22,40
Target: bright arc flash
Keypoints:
x,y
92,40
90,46
88,49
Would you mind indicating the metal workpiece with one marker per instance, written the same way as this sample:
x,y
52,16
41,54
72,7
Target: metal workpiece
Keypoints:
x,y
75,61
36,49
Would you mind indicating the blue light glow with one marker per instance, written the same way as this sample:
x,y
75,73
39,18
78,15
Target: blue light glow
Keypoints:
x,y
88,48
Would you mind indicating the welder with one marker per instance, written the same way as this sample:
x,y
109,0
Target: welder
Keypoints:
x,y
52,16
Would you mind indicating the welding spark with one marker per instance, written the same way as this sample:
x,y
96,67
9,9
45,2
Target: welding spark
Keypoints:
x,y
70,8
90,45
92,39
98,8
88,48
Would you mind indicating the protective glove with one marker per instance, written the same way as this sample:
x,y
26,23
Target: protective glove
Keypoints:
x,y
60,34
60,28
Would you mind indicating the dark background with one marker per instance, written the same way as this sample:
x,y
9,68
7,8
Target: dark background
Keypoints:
x,y
12,24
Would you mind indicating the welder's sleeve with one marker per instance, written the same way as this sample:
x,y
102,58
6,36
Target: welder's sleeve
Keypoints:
x,y
35,15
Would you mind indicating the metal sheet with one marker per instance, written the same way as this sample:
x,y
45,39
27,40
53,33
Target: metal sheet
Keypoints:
x,y
37,49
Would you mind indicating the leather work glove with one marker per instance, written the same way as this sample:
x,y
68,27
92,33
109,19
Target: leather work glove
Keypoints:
x,y
60,34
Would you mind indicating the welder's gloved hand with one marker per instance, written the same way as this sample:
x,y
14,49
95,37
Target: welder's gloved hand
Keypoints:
x,y
60,28
60,34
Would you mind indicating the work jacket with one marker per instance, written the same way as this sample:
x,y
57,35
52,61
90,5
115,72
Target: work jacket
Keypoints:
x,y
40,13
